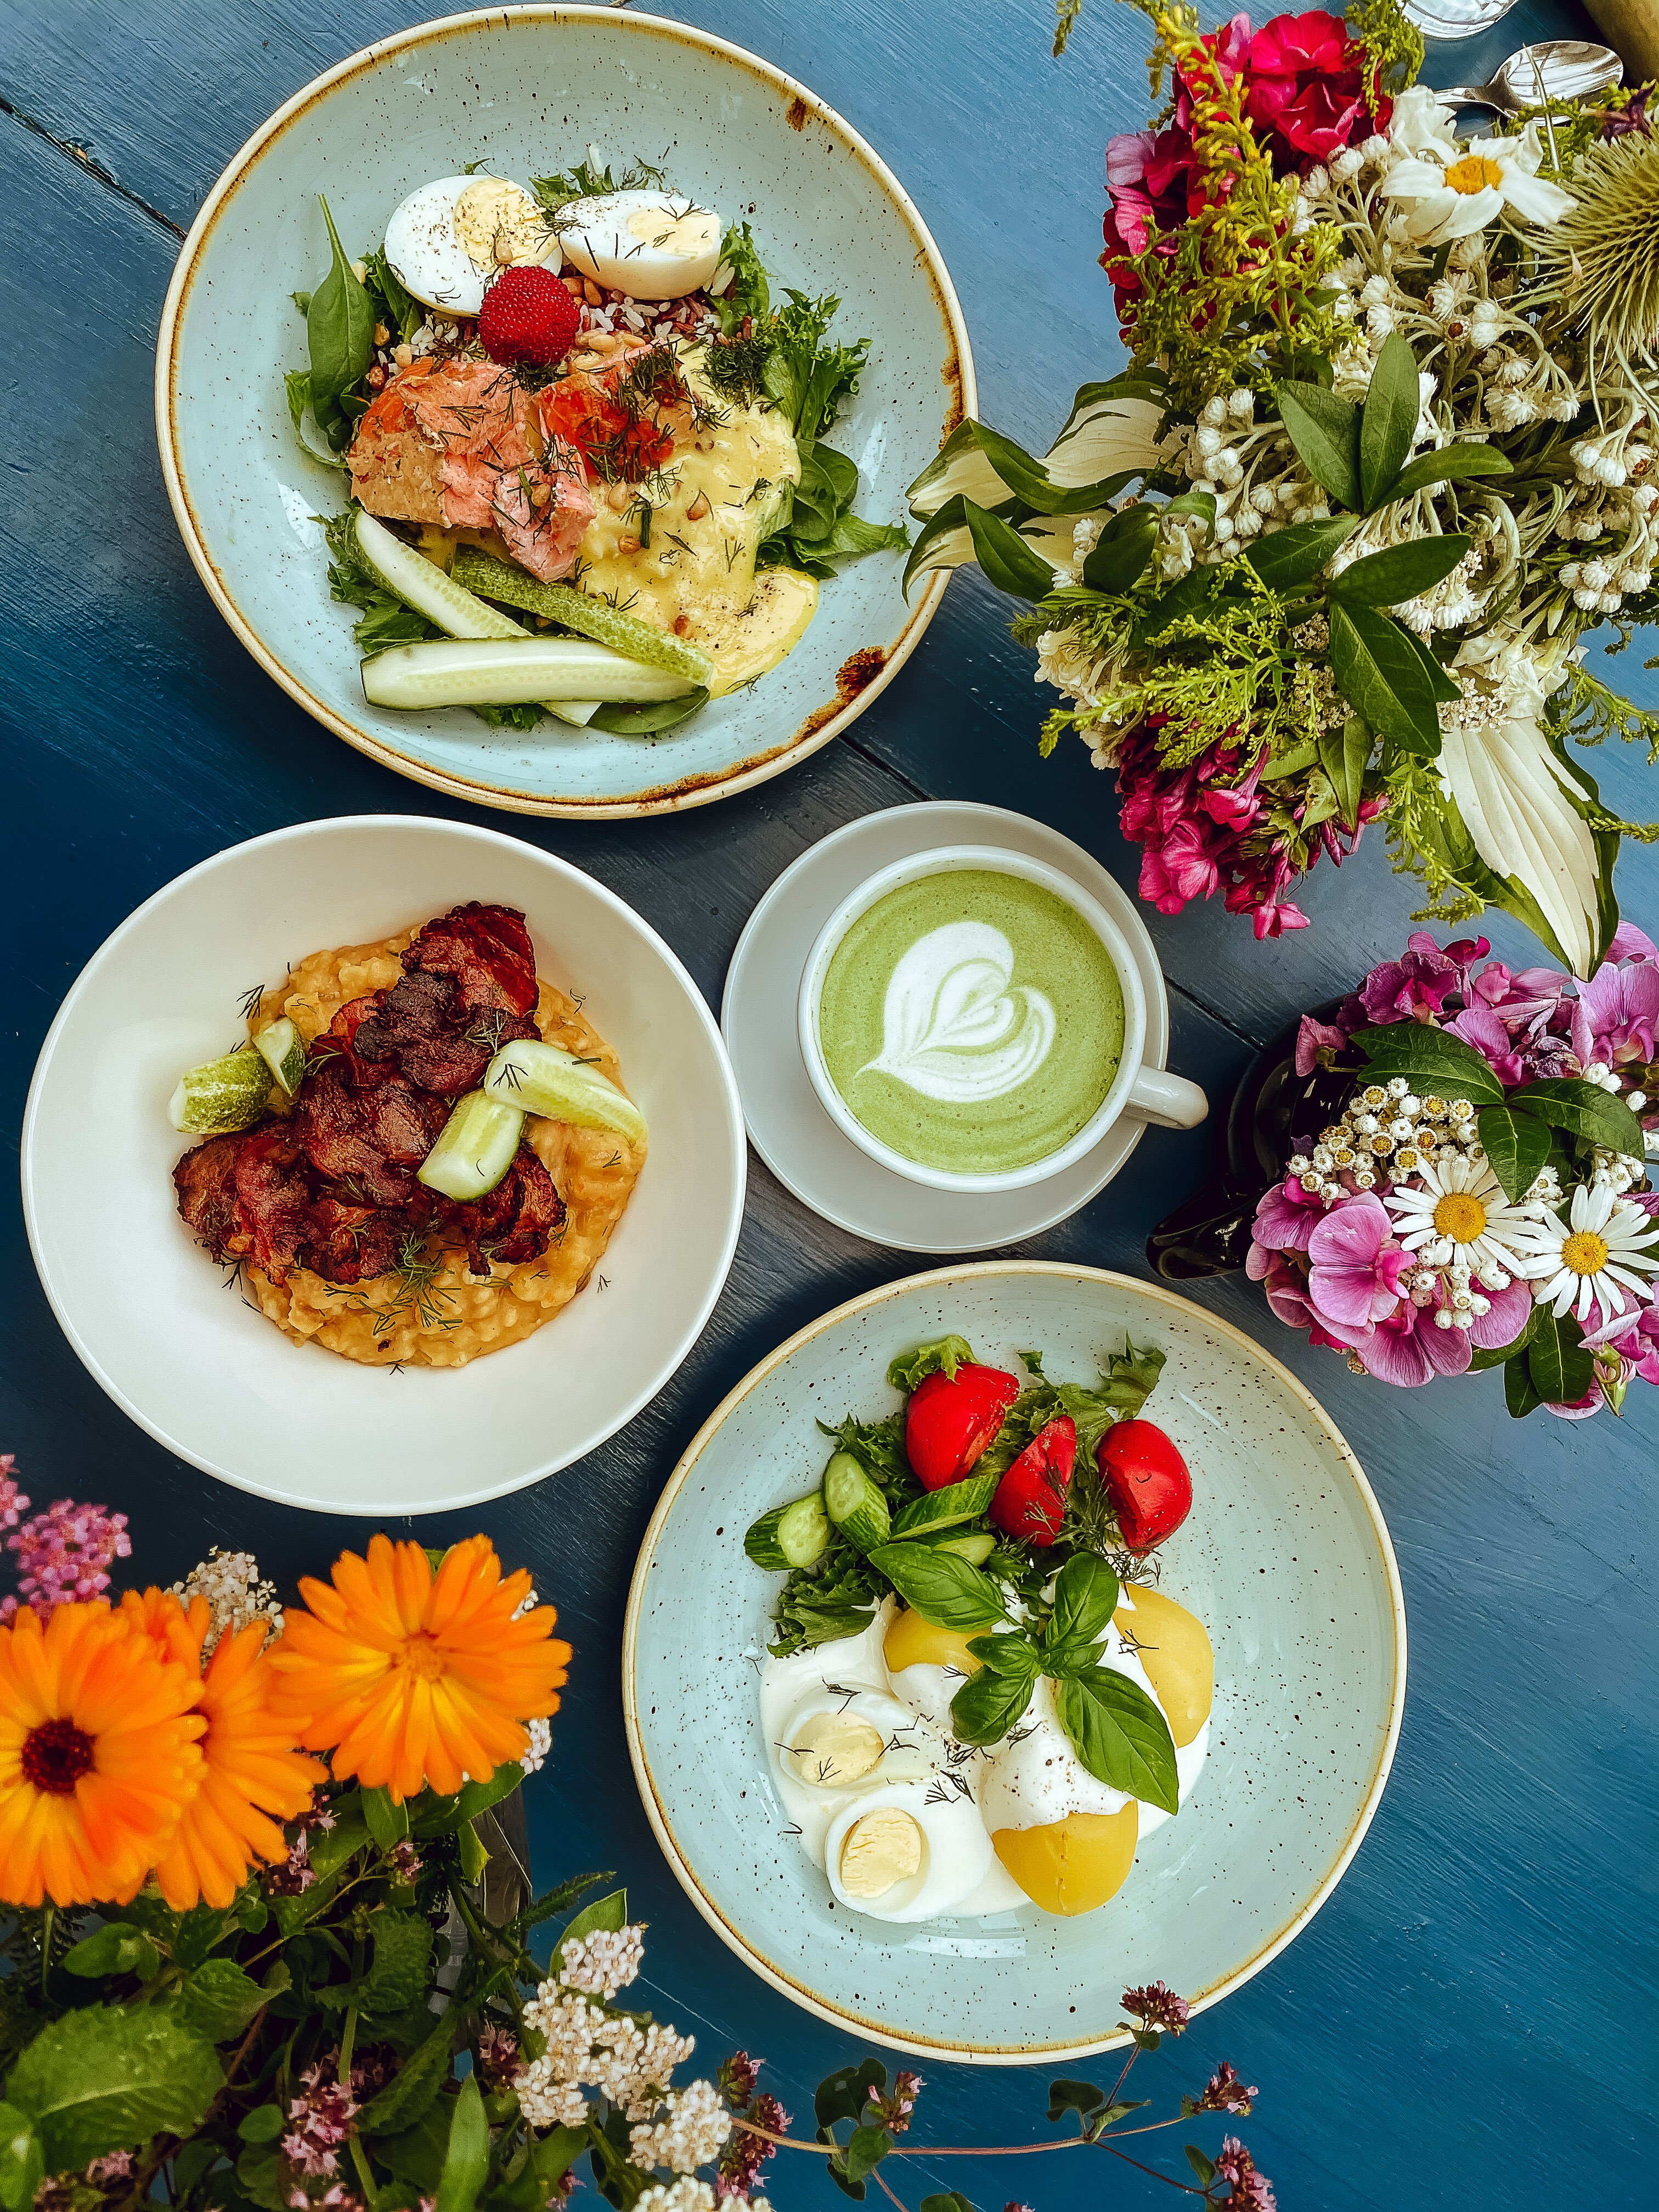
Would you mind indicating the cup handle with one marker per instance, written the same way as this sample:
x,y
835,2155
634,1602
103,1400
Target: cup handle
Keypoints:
x,y
1170,1100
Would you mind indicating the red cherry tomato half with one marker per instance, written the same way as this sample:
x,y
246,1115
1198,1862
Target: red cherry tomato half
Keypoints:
x,y
1031,1499
1146,1480
951,1420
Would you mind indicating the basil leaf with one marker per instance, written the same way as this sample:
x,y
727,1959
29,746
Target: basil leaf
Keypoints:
x,y
1583,1109
1296,555
939,1586
1517,1144
1520,1392
1560,1368
1120,1735
1449,464
1122,552
1378,673
650,720
990,1703
942,1509
1401,572
1388,420
1085,1598
1345,754
1324,430
942,1357
1007,561
340,332
1431,1059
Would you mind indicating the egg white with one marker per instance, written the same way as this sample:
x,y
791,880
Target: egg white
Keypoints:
x,y
619,240
909,1755
955,1851
426,252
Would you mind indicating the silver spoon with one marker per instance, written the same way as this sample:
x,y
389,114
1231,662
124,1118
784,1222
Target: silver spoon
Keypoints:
x,y
1555,69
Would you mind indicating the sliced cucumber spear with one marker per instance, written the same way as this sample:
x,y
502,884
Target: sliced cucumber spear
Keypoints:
x,y
580,611
510,672
283,1051
795,1535
543,1078
221,1095
477,1148
853,1503
421,584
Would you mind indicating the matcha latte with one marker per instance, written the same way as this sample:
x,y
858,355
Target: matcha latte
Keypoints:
x,y
971,1021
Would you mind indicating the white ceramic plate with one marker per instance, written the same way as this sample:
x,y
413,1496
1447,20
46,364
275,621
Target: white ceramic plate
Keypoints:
x,y
526,91
1285,1558
214,1380
789,1128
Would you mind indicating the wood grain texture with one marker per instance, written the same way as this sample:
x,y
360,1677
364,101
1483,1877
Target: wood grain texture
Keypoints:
x,y
1461,2014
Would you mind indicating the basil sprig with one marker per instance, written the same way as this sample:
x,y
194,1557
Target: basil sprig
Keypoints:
x,y
941,1586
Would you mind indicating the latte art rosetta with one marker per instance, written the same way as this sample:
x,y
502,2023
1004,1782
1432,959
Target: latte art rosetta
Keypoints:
x,y
955,1026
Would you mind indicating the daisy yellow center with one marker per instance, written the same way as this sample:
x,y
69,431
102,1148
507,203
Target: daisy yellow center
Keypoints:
x,y
55,1757
422,1657
1460,1216
1584,1252
1473,173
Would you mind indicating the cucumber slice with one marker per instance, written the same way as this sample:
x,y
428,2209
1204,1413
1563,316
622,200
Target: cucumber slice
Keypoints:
x,y
421,584
221,1095
283,1051
510,672
580,611
795,1535
945,1508
853,1503
543,1078
477,1148
973,1545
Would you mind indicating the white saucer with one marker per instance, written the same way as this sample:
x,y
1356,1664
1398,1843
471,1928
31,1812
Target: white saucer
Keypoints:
x,y
790,1130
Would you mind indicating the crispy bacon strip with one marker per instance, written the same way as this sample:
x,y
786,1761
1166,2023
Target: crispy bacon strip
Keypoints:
x,y
512,1224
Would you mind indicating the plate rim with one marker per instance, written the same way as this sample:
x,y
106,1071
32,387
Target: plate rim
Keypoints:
x,y
810,2000
460,1501
814,733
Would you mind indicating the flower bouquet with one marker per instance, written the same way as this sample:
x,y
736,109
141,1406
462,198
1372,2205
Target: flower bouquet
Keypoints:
x,y
1480,1197
236,1978
1329,549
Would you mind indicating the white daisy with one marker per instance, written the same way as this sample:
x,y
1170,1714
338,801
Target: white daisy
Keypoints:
x,y
1600,1254
1459,1216
1453,199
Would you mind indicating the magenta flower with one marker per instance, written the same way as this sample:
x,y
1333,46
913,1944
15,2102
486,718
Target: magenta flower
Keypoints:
x,y
1504,1319
63,1554
1226,2093
1483,1028
1250,2190
1284,1216
1313,1038
1357,1264
1410,1349
13,1503
1413,988
1616,1014
1157,2005
1287,1296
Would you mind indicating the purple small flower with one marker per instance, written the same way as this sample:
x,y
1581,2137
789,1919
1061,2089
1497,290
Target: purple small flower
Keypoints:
x,y
1157,2006
1413,988
1250,2191
895,2110
64,1553
738,2078
1225,2092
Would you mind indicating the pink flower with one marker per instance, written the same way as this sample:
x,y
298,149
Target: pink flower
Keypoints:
x,y
1287,1296
1504,1319
1409,1348
1483,1028
1284,1216
64,1553
1413,988
1157,2005
1616,1014
1248,2191
1314,1037
1356,1265
13,1503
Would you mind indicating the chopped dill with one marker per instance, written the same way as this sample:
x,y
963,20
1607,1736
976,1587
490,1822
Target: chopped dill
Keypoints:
x,y
249,1004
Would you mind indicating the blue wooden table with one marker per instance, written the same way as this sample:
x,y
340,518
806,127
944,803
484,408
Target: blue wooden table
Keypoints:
x,y
1469,2018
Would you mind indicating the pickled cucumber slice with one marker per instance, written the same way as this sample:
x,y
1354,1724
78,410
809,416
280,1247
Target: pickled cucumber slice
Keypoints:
x,y
283,1051
579,610
478,1145
509,671
421,584
543,1078
221,1095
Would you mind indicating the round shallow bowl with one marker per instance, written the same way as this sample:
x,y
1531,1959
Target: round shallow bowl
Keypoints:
x,y
526,91
209,1377
1285,1558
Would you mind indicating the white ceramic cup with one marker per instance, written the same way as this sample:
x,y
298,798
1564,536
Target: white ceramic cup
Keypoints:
x,y
1136,1088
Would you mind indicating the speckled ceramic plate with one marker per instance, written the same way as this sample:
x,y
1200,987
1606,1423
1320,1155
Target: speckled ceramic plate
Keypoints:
x,y
526,91
1285,1556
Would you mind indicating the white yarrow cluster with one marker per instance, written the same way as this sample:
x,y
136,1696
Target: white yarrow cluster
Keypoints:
x,y
601,1963
236,1596
588,2048
689,2131
688,2194
541,1742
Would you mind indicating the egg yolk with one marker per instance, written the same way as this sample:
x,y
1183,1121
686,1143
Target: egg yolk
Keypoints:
x,y
835,1748
1173,1648
880,1851
1072,1865
910,1641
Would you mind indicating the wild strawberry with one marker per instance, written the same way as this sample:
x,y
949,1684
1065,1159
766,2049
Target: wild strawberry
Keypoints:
x,y
1031,1499
528,319
1146,1480
951,1418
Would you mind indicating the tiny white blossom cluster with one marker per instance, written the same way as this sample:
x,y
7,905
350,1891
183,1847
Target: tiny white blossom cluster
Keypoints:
x,y
601,1963
541,1742
688,2131
589,2048
236,1594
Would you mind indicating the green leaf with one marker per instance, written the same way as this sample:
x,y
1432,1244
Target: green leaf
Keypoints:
x,y
946,2199
1085,1598
194,2161
340,333
1345,755
650,720
450,1815
1007,561
403,1954
1202,2166
467,2159
116,1949
327,1849
865,2149
475,1856
1442,683
200,1932
1079,2097
1500,1355
1378,673
990,1702
1295,556
412,2088
297,383
1560,1368
262,2125
105,2080
1325,431
219,2001
842,2095
940,1587
1388,420
417,2152
1399,572
22,2162
944,1509
1517,1144
1584,1111
1120,554
1449,464
1120,1735
260,2176
942,1356
1433,1060
605,1914
387,1823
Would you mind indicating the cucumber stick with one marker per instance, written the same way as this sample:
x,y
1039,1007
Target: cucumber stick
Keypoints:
x,y
510,672
477,1147
543,1078
855,1504
580,611
947,1508
421,584
796,1536
283,1051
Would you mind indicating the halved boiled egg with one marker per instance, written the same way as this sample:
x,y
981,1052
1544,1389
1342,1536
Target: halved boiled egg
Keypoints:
x,y
837,1740
652,245
447,240
908,1851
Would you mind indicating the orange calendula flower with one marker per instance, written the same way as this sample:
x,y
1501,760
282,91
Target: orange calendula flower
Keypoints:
x,y
97,1754
411,1676
250,1768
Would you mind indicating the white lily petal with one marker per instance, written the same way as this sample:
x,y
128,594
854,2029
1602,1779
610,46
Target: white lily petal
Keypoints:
x,y
1506,785
1103,439
1542,791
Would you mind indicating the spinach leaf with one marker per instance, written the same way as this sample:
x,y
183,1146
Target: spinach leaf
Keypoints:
x,y
395,307
340,332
